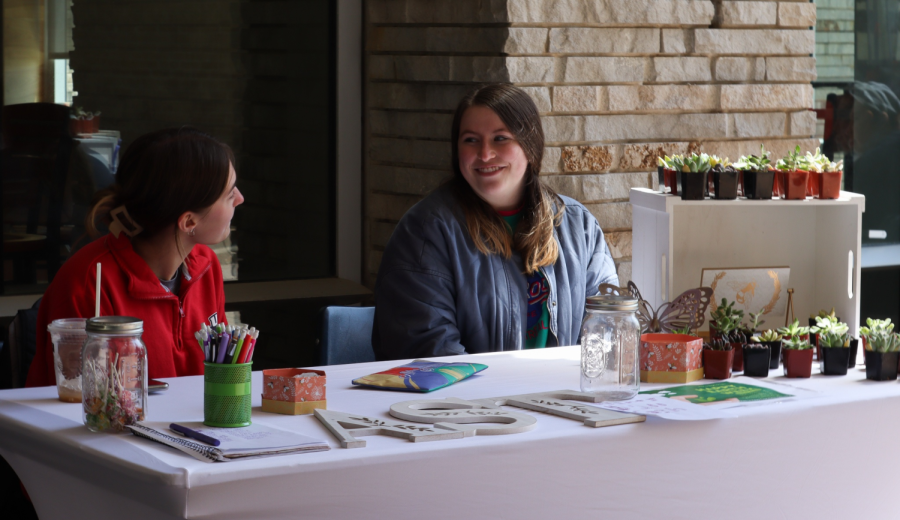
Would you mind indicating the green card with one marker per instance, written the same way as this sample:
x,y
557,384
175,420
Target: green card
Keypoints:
x,y
716,392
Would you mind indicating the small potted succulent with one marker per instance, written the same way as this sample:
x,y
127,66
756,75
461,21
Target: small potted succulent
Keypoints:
x,y
798,354
813,339
724,177
758,179
882,349
771,339
756,359
794,175
668,167
730,333
718,358
834,341
825,176
691,175
661,174
796,350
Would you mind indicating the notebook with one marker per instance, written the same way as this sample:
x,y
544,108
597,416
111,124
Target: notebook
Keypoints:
x,y
256,440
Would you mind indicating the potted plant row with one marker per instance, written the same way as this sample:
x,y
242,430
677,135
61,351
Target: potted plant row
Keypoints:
x,y
796,350
834,341
882,349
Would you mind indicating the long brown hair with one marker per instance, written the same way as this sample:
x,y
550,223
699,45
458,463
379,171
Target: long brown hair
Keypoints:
x,y
533,237
163,174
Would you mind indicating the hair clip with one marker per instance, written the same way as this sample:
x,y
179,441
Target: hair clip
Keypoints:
x,y
123,223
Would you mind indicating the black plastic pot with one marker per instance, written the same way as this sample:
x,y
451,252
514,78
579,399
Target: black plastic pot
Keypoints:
x,y
756,361
881,366
835,360
725,184
774,353
662,179
758,185
854,349
691,185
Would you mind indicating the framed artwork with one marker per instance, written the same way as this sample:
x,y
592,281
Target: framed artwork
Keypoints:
x,y
751,288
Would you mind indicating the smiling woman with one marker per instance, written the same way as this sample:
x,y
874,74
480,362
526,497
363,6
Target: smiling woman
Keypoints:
x,y
175,194
494,259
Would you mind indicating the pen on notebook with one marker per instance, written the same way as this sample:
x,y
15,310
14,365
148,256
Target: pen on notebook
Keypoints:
x,y
187,432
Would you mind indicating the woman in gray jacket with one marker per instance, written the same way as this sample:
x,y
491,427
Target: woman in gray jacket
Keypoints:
x,y
493,259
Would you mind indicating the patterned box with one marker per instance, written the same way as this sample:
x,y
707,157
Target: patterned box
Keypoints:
x,y
293,391
671,358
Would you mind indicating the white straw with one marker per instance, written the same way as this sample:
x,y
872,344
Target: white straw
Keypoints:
x,y
97,293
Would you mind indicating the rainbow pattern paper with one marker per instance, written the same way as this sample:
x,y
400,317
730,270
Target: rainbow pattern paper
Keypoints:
x,y
420,376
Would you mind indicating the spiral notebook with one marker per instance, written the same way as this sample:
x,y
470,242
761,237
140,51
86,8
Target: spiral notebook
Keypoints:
x,y
256,440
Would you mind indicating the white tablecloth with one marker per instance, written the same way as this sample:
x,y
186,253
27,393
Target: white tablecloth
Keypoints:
x,y
830,456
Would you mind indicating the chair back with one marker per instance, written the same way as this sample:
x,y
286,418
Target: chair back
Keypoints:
x,y
345,335
18,351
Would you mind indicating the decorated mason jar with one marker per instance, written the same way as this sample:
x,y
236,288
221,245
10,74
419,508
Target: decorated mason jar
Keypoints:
x,y
610,339
113,373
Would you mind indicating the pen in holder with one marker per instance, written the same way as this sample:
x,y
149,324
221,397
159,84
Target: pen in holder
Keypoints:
x,y
226,395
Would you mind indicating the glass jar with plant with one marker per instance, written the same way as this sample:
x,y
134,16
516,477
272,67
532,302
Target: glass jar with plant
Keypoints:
x,y
718,358
834,340
757,175
882,349
798,355
771,339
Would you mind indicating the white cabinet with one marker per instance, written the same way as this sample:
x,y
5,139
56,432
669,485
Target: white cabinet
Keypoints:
x,y
674,240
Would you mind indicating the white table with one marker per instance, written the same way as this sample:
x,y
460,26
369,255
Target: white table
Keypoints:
x,y
833,456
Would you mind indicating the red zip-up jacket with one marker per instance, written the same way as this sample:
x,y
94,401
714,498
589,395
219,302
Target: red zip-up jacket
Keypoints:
x,y
130,288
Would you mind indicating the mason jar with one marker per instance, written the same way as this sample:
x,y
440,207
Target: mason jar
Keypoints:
x,y
113,373
610,339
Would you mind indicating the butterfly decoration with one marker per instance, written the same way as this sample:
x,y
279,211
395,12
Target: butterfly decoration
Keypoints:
x,y
687,310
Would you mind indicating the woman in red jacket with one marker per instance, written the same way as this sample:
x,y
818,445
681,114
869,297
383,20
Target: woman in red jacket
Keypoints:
x,y
174,194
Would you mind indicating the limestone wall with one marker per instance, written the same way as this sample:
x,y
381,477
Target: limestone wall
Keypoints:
x,y
617,82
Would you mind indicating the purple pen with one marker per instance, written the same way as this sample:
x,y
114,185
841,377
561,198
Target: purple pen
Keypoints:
x,y
223,346
187,432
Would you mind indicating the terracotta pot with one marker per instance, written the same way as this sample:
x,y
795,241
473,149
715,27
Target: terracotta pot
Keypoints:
x,y
795,185
756,361
670,181
738,349
830,184
691,185
725,185
881,366
812,185
834,361
778,184
717,363
759,185
797,363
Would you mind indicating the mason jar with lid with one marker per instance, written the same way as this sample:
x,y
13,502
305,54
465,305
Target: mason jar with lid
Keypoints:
x,y
610,339
113,373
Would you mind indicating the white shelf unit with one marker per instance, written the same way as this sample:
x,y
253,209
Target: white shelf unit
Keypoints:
x,y
820,240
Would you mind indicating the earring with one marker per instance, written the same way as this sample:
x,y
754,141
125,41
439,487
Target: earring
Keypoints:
x,y
191,232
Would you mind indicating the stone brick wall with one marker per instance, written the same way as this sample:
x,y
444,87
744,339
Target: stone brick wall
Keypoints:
x,y
618,82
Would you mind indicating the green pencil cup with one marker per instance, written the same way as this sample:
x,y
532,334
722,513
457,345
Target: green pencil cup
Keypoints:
x,y
226,395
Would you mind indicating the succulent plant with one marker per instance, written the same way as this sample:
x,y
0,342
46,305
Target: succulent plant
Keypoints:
x,y
880,336
822,314
832,333
686,330
755,321
769,335
795,343
694,163
792,161
726,310
717,344
794,330
754,162
820,163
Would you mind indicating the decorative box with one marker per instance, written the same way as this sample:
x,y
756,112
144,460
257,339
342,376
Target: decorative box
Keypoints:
x,y
293,391
671,358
